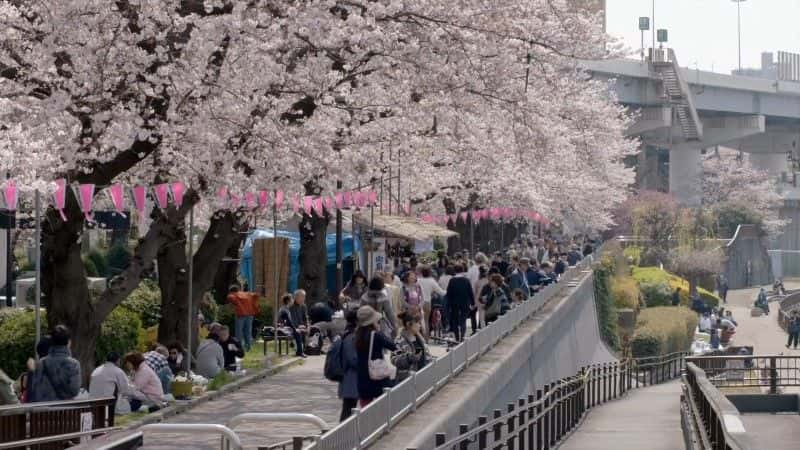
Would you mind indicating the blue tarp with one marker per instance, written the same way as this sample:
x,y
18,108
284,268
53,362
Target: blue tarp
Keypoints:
x,y
246,265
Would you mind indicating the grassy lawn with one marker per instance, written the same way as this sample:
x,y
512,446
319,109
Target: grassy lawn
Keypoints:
x,y
125,420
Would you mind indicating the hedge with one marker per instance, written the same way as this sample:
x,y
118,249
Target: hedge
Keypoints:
x,y
120,333
650,276
145,301
606,311
625,292
662,330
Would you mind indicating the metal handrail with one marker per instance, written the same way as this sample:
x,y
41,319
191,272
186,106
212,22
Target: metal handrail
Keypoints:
x,y
228,435
278,417
61,437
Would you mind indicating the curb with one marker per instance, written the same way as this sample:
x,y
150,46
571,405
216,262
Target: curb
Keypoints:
x,y
171,411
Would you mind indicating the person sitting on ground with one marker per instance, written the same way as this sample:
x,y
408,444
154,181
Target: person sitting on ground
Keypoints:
x,y
412,353
175,357
729,316
147,387
777,287
156,358
57,376
698,305
762,302
210,356
231,348
108,380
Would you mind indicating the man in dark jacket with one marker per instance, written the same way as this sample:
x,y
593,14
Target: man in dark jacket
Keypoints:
x,y
460,299
231,348
518,280
574,256
57,376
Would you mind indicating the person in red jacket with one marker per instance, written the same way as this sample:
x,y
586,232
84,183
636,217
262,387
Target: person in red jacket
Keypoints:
x,y
246,307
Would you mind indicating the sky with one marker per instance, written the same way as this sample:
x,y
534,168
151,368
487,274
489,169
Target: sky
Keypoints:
x,y
703,32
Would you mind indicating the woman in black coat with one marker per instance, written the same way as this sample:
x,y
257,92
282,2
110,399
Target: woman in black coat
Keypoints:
x,y
460,299
368,327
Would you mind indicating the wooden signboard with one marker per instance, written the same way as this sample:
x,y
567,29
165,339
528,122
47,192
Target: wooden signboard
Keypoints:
x,y
264,266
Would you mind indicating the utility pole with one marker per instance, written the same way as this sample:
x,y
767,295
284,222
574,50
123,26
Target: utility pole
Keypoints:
x,y
339,268
739,29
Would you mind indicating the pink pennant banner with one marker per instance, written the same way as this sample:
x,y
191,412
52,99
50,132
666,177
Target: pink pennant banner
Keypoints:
x,y
339,199
329,203
178,189
454,218
307,204
373,197
140,200
296,204
236,201
263,199
278,199
250,200
318,206
222,195
10,195
348,199
60,198
161,193
86,196
116,192
464,216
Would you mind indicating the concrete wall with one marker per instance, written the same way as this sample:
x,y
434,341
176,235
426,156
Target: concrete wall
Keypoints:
x,y
748,263
556,343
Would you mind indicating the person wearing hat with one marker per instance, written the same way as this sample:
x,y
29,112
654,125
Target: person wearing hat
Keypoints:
x,y
369,330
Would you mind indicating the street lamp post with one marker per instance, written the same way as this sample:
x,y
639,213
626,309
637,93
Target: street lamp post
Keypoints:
x,y
739,28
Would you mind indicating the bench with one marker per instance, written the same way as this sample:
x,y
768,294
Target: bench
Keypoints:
x,y
33,424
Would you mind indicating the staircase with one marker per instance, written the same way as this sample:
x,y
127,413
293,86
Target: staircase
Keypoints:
x,y
677,93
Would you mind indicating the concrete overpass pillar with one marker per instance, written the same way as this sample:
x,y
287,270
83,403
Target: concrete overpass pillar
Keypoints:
x,y
686,174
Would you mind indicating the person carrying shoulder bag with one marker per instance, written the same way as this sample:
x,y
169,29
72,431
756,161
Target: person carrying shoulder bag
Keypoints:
x,y
375,372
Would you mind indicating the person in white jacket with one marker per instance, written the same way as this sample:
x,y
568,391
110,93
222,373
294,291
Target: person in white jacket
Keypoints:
x,y
108,380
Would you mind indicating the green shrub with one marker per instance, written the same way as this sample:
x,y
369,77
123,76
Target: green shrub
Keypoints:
x,y
91,269
654,275
99,261
120,333
145,301
220,380
656,294
17,340
606,311
663,330
118,258
633,254
625,292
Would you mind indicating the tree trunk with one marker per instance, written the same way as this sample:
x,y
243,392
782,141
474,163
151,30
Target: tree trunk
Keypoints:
x,y
227,272
314,257
224,232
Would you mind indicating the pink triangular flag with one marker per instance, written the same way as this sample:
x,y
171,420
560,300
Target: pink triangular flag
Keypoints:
x,y
359,198
250,200
140,200
263,199
86,196
329,203
60,197
296,204
10,195
339,199
464,216
318,206
178,189
235,201
454,218
116,192
222,195
278,199
307,204
161,193
348,199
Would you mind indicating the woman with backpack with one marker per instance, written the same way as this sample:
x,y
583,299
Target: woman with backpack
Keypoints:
x,y
374,372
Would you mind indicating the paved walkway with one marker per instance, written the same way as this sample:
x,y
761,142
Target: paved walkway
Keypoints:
x,y
647,418
763,333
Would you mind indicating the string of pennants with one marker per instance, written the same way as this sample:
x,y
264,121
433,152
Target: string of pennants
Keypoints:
x,y
485,214
167,193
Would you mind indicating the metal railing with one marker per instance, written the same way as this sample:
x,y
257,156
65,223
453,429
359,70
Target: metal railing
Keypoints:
x,y
769,372
367,425
712,419
547,416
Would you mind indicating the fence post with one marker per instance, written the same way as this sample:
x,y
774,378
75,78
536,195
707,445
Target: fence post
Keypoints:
x,y
630,374
521,424
297,443
356,412
414,391
462,430
546,417
510,427
591,386
616,373
440,439
553,407
605,383
388,393
482,434
773,377
539,427
532,420
497,428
